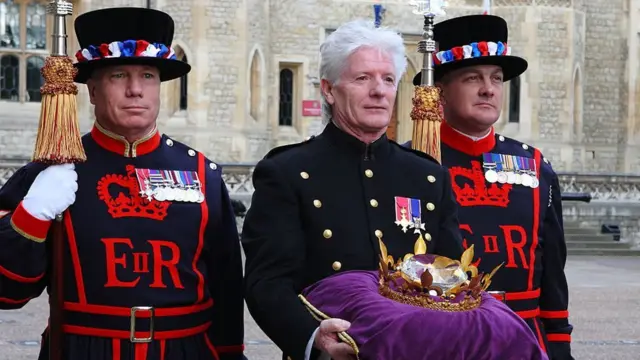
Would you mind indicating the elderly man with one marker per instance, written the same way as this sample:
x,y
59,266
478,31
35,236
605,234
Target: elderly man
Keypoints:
x,y
509,200
320,206
149,226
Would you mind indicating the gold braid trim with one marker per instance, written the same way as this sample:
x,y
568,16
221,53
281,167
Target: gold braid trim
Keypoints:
x,y
319,315
469,302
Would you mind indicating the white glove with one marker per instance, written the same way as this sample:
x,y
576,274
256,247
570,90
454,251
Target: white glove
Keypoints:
x,y
52,192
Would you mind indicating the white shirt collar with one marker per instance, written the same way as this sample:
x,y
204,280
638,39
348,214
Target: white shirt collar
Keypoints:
x,y
474,138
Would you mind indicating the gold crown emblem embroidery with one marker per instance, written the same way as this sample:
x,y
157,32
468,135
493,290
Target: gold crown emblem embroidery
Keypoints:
x,y
432,281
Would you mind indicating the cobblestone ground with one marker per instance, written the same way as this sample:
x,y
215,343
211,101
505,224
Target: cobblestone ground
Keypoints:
x,y
605,310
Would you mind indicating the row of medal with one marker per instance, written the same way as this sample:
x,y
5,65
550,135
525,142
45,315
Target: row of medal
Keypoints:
x,y
170,185
510,169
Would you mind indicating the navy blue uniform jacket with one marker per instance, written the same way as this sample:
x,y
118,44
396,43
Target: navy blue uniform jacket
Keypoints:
x,y
122,250
317,209
516,225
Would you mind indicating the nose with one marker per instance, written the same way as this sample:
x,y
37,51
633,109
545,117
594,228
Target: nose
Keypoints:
x,y
488,88
134,87
377,89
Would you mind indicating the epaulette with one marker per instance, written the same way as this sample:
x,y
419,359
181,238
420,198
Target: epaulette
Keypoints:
x,y
181,147
280,149
417,152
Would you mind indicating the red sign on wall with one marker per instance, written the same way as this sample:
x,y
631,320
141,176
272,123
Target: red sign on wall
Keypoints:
x,y
311,108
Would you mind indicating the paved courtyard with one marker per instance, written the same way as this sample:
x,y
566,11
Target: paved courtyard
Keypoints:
x,y
605,310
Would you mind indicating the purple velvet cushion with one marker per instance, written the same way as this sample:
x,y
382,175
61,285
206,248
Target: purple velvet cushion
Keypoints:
x,y
384,329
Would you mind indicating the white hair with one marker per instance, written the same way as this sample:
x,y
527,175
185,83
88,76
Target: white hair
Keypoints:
x,y
348,38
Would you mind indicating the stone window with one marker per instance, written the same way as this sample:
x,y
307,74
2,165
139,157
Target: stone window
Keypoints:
x,y
285,116
514,100
255,86
24,43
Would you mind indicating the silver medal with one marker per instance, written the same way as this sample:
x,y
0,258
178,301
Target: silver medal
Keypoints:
x,y
502,177
170,194
200,197
491,176
534,182
526,180
518,179
180,194
159,194
511,178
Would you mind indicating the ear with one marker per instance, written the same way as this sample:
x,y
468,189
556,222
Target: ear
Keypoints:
x,y
91,87
326,87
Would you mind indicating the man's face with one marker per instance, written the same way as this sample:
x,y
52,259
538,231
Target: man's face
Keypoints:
x,y
473,95
126,98
364,96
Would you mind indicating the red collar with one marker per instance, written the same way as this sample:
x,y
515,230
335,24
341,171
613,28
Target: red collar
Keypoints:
x,y
465,144
119,145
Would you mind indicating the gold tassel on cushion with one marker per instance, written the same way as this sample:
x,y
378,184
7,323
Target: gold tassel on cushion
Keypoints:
x,y
59,139
426,120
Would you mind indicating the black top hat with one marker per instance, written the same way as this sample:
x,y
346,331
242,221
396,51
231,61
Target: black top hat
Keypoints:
x,y
473,40
122,36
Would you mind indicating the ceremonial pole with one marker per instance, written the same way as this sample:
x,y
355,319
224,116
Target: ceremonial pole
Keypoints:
x,y
58,142
426,101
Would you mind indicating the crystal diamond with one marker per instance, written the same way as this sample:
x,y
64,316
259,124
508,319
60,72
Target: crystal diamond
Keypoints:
x,y
446,273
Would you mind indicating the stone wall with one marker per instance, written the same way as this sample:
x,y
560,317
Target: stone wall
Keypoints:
x,y
596,214
591,129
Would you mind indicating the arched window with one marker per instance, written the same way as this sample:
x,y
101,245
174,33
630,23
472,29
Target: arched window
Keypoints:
x,y
514,100
285,117
255,86
34,78
23,46
9,77
183,88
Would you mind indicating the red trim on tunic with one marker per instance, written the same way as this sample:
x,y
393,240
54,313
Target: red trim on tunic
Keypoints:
x,y
126,311
28,226
75,257
559,337
125,334
558,314
465,144
536,222
141,350
115,348
119,145
204,209
539,335
214,352
15,277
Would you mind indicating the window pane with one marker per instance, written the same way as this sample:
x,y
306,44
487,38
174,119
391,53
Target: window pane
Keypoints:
x,y
36,26
9,78
34,78
286,98
514,100
9,24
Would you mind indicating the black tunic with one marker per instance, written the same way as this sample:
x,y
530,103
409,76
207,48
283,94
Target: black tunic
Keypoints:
x,y
316,209
122,250
518,226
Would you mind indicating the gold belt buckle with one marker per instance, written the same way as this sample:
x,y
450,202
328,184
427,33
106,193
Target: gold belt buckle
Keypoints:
x,y
500,295
132,332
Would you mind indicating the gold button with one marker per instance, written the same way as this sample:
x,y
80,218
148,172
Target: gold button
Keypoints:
x,y
317,203
336,265
374,203
430,206
431,178
304,175
368,173
427,236
378,233
327,234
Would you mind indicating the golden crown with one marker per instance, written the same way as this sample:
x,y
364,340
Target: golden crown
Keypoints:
x,y
432,281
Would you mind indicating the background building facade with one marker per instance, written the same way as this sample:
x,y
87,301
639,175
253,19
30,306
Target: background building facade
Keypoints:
x,y
254,82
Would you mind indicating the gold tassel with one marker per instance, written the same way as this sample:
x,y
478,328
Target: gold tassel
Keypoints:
x,y
59,140
426,121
